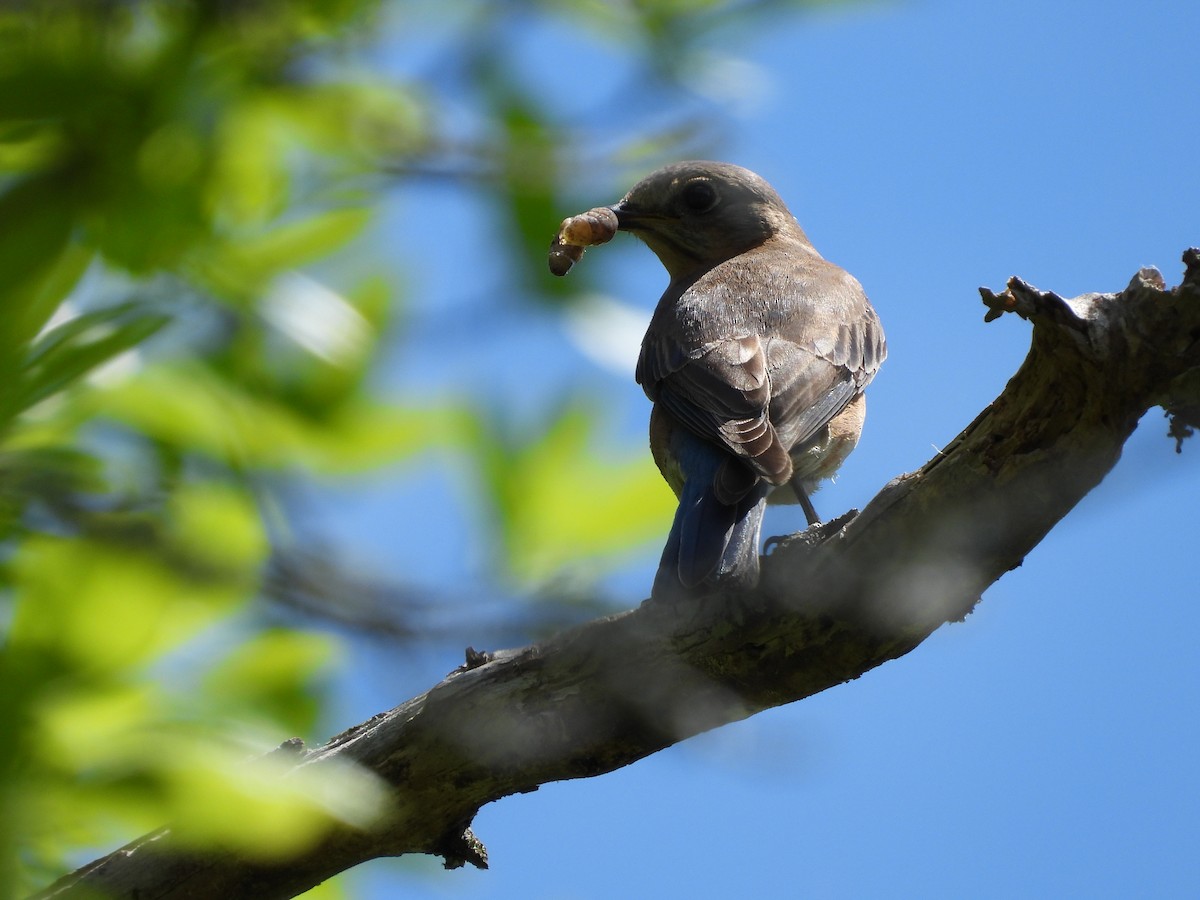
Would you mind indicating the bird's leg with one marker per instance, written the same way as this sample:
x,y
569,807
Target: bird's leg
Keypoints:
x,y
810,511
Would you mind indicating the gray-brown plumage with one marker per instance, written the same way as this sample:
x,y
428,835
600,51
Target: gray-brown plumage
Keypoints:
x,y
755,358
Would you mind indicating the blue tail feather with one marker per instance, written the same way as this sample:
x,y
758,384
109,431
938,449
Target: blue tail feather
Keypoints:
x,y
710,542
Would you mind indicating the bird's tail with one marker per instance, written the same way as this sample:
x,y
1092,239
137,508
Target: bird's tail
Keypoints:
x,y
711,542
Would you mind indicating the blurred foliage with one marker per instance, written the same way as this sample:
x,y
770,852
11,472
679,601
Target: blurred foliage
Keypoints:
x,y
193,302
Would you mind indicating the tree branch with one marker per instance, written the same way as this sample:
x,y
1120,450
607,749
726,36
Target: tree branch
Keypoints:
x,y
834,602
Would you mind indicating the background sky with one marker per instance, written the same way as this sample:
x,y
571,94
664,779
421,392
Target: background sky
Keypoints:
x,y
1046,747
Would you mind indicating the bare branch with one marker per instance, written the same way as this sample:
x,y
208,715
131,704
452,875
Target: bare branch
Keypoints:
x,y
834,603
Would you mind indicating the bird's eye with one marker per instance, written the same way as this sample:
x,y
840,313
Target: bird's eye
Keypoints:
x,y
699,196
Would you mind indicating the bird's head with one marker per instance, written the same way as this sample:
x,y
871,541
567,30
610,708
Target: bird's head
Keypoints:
x,y
694,215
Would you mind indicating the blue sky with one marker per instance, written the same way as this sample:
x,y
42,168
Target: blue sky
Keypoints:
x,y
1046,747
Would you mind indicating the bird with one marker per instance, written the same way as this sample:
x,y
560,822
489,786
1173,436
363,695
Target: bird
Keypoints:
x,y
755,361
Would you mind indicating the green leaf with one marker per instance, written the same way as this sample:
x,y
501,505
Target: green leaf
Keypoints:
x,y
218,529
370,119
250,178
36,267
34,301
272,673
101,609
94,725
79,346
195,410
297,243
240,268
38,215
222,800
560,501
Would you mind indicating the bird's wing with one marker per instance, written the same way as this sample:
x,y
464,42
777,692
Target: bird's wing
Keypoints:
x,y
720,391
822,356
854,339
760,397
808,391
813,378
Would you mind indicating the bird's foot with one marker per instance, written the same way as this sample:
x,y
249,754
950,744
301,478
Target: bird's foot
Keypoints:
x,y
814,534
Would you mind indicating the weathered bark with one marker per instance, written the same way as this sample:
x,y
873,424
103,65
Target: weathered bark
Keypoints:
x,y
834,603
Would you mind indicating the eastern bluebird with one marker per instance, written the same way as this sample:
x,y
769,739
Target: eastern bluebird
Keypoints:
x,y
755,359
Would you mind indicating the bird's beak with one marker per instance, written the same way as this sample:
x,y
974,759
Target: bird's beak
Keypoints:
x,y
627,218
